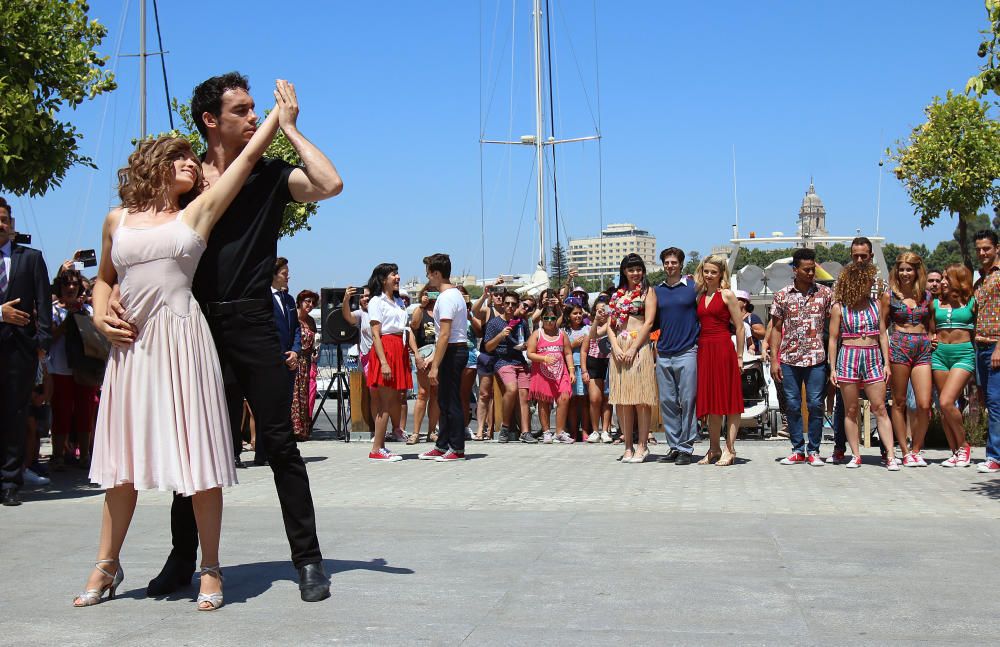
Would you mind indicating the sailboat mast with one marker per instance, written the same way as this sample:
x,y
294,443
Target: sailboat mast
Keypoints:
x,y
539,136
142,69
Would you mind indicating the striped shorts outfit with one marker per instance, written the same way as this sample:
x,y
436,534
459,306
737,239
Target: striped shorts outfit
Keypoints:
x,y
860,364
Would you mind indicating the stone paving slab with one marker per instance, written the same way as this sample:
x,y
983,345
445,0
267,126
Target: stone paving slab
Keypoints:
x,y
540,545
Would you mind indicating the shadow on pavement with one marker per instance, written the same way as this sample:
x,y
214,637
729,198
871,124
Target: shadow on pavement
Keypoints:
x,y
247,581
73,484
989,488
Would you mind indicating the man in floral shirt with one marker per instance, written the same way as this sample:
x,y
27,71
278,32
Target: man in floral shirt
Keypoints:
x,y
987,338
798,353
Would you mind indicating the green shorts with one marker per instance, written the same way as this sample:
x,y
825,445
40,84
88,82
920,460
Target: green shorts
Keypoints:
x,y
948,356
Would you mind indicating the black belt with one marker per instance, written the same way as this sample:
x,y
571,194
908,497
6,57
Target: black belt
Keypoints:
x,y
218,308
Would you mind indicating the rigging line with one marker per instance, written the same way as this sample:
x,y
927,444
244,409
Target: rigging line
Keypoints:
x,y
163,63
576,60
600,156
28,208
82,215
489,104
552,132
520,221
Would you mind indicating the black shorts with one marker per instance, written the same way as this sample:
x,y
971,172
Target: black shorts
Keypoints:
x,y
597,367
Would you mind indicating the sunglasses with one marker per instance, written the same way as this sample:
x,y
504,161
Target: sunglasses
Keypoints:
x,y
550,318
527,307
510,305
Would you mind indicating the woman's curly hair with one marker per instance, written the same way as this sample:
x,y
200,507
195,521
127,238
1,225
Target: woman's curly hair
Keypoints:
x,y
854,284
150,172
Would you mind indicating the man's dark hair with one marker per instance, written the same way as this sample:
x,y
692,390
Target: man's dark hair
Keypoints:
x,y
984,234
672,251
439,263
207,97
933,271
279,263
378,277
804,254
862,240
4,205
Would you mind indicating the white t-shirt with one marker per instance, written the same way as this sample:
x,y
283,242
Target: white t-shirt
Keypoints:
x,y
58,362
451,305
366,330
389,314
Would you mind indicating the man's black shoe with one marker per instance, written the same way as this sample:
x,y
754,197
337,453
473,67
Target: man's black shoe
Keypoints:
x,y
682,459
240,465
504,436
314,585
258,463
671,456
176,573
11,497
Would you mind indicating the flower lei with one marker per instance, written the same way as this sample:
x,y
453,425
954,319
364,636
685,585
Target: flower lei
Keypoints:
x,y
626,302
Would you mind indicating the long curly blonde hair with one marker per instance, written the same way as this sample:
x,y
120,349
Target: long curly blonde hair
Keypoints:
x,y
150,172
720,262
854,284
919,285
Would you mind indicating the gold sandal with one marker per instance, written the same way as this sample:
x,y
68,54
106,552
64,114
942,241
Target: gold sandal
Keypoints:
x,y
710,458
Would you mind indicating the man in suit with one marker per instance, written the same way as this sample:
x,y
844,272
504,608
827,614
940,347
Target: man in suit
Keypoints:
x,y
25,333
286,320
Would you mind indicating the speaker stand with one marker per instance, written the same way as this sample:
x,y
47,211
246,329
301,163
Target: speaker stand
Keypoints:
x,y
341,382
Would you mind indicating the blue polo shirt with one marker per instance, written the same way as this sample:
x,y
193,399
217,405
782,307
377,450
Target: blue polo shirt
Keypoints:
x,y
677,312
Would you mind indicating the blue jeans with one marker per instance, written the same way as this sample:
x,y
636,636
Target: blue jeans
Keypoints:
x,y
792,379
677,378
989,381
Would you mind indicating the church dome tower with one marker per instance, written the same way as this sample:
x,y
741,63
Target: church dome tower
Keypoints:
x,y
812,215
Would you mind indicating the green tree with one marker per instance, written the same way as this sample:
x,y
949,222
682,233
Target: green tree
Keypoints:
x,y
951,163
988,79
560,264
694,260
297,215
47,64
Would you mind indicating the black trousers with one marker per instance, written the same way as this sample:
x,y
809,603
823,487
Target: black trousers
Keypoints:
x,y
253,367
18,370
451,420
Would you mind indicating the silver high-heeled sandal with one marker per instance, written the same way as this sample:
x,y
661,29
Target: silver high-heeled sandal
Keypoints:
x,y
90,597
214,599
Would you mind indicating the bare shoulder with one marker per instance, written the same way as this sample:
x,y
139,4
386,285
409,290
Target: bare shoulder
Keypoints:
x,y
114,219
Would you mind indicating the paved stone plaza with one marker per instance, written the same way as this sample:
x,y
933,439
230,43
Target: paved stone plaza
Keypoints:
x,y
538,545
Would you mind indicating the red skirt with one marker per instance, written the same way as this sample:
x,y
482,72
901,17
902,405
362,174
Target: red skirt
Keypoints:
x,y
720,389
398,359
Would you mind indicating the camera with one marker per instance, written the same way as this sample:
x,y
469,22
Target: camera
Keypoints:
x,y
86,258
22,239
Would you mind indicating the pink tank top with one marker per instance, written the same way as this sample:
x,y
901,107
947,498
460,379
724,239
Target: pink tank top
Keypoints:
x,y
546,347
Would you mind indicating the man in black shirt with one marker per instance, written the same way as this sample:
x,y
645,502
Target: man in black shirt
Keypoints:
x,y
233,286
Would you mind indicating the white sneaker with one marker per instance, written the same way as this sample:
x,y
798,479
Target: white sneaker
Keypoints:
x,y
920,460
853,463
892,464
547,438
951,462
963,457
606,437
594,437
31,478
563,437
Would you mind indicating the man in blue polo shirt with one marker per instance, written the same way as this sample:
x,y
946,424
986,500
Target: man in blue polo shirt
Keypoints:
x,y
677,356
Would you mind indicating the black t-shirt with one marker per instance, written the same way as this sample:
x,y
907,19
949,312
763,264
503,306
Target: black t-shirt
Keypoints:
x,y
239,260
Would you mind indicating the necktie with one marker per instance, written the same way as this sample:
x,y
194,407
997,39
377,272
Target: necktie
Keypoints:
x,y
3,274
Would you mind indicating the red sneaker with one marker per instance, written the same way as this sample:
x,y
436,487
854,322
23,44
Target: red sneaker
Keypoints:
x,y
383,455
815,460
837,458
450,456
431,454
794,459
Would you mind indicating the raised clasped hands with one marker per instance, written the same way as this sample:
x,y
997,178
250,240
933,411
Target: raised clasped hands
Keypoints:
x,y
287,105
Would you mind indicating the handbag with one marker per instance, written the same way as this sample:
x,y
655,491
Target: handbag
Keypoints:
x,y
87,350
486,362
95,345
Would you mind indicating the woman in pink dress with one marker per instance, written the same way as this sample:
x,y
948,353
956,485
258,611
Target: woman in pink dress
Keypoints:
x,y
720,392
162,422
551,374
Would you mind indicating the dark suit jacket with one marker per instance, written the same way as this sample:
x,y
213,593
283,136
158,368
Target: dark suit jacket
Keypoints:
x,y
29,282
289,331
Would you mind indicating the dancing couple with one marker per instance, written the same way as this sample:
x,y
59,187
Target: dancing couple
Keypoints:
x,y
192,339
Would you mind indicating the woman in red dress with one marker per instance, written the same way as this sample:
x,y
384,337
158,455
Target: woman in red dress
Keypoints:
x,y
720,390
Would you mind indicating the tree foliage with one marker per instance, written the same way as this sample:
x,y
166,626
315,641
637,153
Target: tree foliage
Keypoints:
x,y
988,79
47,63
297,215
951,163
560,264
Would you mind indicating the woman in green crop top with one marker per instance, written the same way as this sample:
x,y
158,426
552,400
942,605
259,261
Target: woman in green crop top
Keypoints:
x,y
954,358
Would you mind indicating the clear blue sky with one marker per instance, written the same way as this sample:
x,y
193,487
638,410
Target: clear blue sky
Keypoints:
x,y
392,92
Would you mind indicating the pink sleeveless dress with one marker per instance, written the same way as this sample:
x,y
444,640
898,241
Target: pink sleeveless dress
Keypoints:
x,y
162,422
549,381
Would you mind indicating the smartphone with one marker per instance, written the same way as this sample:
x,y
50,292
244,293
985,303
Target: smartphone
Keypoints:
x,y
433,295
355,303
22,239
86,256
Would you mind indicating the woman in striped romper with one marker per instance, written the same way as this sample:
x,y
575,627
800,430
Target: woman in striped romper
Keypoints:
x,y
858,325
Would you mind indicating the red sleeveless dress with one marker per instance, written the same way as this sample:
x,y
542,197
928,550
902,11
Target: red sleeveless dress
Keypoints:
x,y
719,385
